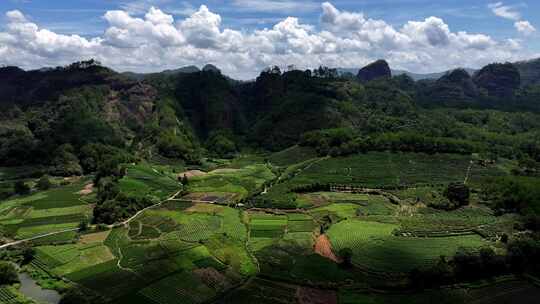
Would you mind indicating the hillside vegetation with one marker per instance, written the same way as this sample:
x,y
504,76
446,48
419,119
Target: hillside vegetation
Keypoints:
x,y
297,187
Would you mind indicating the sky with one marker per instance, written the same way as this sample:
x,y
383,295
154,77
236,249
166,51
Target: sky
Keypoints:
x,y
242,37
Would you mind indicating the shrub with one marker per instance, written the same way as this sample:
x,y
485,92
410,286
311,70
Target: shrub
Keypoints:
x,y
458,193
21,188
44,183
8,273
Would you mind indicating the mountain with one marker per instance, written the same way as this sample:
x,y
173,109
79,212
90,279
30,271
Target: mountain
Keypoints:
x,y
529,71
182,70
456,86
375,70
499,80
188,112
414,76
417,76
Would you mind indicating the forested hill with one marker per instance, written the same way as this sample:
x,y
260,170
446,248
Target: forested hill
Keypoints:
x,y
72,119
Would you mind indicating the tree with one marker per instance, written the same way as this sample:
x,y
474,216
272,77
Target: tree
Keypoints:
x,y
346,254
83,225
8,273
65,162
27,253
74,296
185,180
21,188
44,183
107,189
458,193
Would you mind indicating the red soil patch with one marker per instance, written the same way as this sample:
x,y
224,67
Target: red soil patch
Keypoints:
x,y
323,247
316,296
87,189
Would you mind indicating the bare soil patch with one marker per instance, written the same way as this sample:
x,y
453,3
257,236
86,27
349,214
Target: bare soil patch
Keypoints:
x,y
308,295
95,237
316,199
323,247
224,171
88,189
205,208
192,173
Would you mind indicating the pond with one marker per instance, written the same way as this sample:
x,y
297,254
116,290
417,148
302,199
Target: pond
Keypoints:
x,y
32,290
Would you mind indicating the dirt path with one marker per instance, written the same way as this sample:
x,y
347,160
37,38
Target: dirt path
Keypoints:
x,y
468,173
323,247
119,262
36,237
172,197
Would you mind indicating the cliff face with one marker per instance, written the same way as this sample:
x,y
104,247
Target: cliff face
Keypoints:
x,y
456,86
376,70
499,80
529,71
209,101
132,106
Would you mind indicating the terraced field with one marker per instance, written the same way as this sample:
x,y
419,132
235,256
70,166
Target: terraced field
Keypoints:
x,y
267,226
242,181
374,246
380,170
195,249
47,211
144,179
292,155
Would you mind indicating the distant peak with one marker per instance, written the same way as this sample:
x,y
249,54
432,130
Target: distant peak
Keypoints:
x,y
375,70
211,68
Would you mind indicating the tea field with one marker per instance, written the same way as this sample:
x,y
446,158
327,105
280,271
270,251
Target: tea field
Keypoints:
x,y
243,232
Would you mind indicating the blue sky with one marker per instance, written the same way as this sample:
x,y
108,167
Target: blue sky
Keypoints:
x,y
85,18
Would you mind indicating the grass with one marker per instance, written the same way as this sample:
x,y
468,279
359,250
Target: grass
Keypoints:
x,y
232,253
267,225
300,226
65,259
292,155
431,221
46,211
61,238
379,170
143,179
375,247
244,181
342,211
178,288
392,169
31,231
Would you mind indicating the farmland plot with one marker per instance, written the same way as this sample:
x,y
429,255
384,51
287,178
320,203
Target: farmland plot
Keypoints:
x,y
374,247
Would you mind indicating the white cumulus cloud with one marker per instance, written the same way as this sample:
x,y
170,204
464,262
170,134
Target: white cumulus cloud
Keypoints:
x,y
524,27
504,11
154,40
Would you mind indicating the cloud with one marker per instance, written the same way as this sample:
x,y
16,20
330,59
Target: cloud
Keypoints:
x,y
154,40
524,27
504,11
